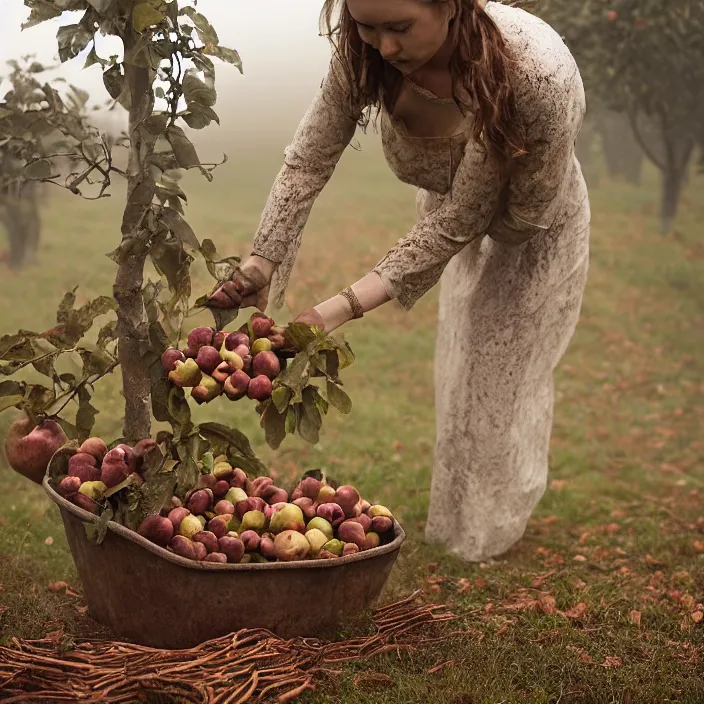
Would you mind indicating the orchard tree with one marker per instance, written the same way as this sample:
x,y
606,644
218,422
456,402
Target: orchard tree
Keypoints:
x,y
165,80
29,129
645,59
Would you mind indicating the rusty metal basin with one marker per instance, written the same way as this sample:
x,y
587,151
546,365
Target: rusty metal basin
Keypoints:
x,y
153,597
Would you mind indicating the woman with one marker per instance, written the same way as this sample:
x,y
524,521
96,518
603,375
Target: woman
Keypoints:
x,y
480,107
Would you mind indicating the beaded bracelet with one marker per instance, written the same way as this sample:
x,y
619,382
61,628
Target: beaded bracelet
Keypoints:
x,y
357,310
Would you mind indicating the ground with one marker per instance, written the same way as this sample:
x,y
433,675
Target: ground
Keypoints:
x,y
601,600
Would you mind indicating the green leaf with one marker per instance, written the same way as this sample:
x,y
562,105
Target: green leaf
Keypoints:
x,y
197,92
338,398
72,39
179,227
207,463
295,376
298,335
85,417
206,32
184,150
114,81
156,123
93,59
38,170
281,397
230,56
310,421
321,402
58,464
291,420
95,362
38,400
274,424
187,472
198,116
101,525
9,401
344,352
41,12
102,6
119,487
222,438
68,428
145,15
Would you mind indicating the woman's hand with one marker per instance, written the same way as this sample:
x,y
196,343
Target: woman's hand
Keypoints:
x,y
249,286
311,317
328,315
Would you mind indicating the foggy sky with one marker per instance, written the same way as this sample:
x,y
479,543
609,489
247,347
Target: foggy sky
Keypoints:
x,y
284,59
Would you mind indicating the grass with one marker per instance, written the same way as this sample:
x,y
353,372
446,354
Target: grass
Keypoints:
x,y
601,600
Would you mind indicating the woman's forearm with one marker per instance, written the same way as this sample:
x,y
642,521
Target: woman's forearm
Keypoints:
x,y
369,291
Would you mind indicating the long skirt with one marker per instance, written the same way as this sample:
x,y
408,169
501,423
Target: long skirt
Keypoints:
x,y
506,316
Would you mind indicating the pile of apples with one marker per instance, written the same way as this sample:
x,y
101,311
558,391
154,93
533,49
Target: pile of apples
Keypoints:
x,y
94,470
229,518
217,362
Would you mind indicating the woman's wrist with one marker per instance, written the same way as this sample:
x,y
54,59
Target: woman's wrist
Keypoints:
x,y
336,311
262,264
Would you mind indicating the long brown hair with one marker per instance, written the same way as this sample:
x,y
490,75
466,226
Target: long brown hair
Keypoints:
x,y
480,66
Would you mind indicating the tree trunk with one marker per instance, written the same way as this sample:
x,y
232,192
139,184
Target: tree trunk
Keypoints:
x,y
673,180
679,147
14,221
33,226
131,328
622,153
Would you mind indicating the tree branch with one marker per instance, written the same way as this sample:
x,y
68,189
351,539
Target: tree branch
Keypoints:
x,y
632,117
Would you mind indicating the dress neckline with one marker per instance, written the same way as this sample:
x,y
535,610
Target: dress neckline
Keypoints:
x,y
427,93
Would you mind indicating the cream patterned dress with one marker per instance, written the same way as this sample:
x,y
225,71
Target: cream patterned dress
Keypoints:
x,y
511,258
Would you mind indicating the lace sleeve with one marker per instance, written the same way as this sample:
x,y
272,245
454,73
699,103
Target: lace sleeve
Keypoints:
x,y
309,162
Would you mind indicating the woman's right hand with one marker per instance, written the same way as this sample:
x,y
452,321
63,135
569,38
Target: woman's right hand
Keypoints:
x,y
248,287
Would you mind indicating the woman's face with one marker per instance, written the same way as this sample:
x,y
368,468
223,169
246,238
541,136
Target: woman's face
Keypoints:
x,y
407,33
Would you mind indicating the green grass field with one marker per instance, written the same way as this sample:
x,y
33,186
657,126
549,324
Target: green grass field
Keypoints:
x,y
601,600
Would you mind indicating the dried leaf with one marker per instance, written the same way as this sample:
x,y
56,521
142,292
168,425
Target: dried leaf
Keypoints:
x,y
577,612
635,617
547,604
366,679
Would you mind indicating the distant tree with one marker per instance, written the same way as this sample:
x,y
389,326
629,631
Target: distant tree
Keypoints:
x,y
28,131
644,59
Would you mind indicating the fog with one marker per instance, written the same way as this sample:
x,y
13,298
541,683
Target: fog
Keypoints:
x,y
283,56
